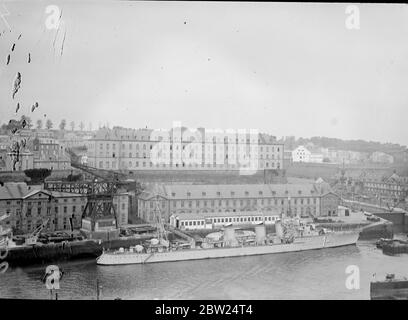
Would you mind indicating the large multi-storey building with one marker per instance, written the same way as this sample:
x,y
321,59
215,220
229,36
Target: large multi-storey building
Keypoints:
x,y
381,157
304,200
41,151
394,187
25,162
73,139
344,156
50,154
28,207
181,148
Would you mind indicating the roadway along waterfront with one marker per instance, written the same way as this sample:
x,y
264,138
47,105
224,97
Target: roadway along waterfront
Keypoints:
x,y
316,274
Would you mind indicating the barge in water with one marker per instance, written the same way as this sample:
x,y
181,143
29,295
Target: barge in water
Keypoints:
x,y
389,289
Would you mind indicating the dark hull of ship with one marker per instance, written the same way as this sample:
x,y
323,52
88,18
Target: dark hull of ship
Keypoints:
x,y
64,251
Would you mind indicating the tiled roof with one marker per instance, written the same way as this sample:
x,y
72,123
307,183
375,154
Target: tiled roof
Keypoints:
x,y
58,194
238,191
122,134
145,134
13,191
265,138
22,191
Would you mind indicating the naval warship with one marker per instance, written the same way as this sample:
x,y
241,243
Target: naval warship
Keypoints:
x,y
290,235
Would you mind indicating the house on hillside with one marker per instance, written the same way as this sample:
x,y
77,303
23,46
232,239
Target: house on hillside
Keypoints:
x,y
303,154
381,157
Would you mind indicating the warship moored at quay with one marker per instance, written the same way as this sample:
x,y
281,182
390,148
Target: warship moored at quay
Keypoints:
x,y
47,248
291,235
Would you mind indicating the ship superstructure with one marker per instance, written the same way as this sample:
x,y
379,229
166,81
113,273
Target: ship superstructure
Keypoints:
x,y
291,235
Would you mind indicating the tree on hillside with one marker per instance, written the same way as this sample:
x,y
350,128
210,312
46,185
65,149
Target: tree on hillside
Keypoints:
x,y
72,125
63,124
39,124
3,128
290,142
37,175
48,124
74,177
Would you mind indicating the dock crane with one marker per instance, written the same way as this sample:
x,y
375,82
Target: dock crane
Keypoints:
x,y
99,187
33,237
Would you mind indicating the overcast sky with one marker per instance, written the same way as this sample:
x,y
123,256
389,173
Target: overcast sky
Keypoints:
x,y
282,68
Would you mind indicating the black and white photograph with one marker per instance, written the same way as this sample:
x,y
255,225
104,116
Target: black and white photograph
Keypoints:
x,y
203,151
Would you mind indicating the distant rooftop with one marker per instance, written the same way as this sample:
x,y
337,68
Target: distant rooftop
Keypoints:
x,y
12,191
146,134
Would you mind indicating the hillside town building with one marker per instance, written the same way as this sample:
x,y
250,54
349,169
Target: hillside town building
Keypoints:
x,y
179,148
27,207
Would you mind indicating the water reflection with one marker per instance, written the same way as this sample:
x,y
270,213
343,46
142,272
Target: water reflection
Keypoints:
x,y
317,274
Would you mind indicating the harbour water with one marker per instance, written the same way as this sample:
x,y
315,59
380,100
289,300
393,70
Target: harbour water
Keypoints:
x,y
316,274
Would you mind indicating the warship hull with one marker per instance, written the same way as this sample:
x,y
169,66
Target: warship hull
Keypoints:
x,y
335,239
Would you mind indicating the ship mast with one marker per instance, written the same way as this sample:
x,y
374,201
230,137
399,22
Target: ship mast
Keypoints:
x,y
161,232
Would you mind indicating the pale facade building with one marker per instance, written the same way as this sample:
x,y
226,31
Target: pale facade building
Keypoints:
x,y
381,157
146,149
301,154
50,154
28,207
304,200
214,220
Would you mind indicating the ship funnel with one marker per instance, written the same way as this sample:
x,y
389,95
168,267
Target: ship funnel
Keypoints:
x,y
229,237
260,233
279,229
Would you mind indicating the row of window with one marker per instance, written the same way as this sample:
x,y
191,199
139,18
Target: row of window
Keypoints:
x,y
32,225
168,145
109,165
203,193
384,191
226,220
233,202
41,203
64,210
384,186
166,156
302,210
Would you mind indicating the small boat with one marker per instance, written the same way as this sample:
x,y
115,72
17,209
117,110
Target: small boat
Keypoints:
x,y
381,242
389,289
